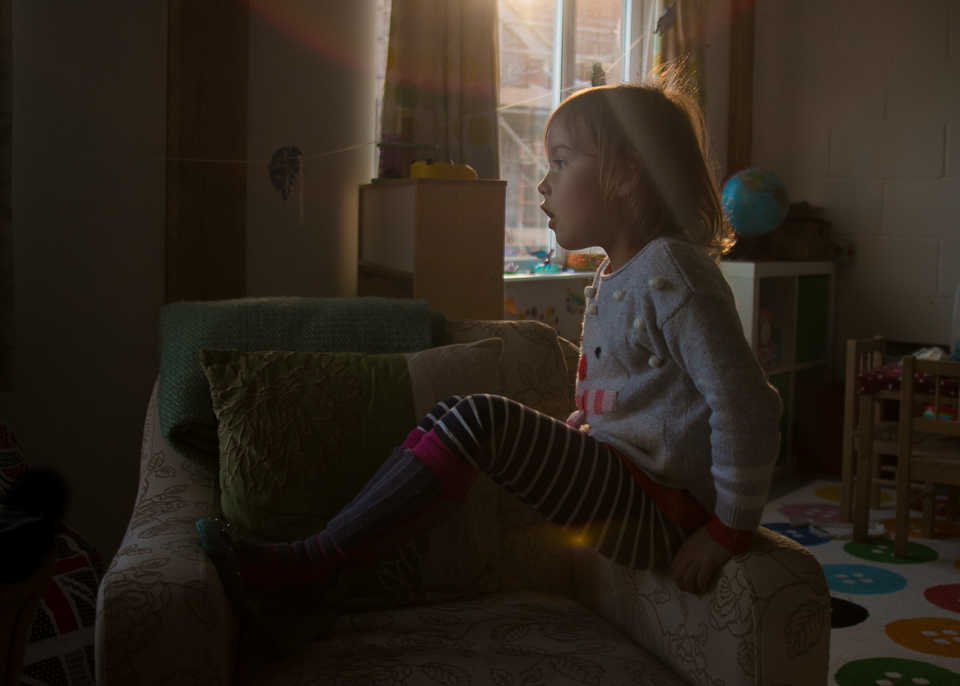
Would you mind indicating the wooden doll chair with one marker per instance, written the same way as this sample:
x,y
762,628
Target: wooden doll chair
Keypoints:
x,y
864,355
929,448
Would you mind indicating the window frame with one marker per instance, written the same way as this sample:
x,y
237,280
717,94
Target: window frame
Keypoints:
x,y
634,61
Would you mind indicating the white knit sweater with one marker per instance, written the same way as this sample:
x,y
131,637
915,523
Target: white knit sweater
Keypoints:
x,y
692,407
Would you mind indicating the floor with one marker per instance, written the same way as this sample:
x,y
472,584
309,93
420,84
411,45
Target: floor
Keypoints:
x,y
789,483
894,622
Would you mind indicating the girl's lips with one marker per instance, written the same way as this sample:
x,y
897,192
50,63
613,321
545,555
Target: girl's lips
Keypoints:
x,y
549,214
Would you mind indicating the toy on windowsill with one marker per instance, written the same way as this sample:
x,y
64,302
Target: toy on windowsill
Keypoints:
x,y
545,267
441,170
585,261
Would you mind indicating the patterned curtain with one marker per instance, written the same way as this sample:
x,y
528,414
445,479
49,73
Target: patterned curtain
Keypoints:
x,y
678,40
442,69
6,224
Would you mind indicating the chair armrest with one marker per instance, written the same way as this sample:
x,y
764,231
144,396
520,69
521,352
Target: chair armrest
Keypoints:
x,y
764,620
162,614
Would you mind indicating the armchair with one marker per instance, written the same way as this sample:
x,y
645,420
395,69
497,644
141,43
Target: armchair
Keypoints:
x,y
559,615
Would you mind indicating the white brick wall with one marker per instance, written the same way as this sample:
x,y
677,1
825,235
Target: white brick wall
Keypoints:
x,y
922,208
953,144
857,109
954,50
948,267
906,149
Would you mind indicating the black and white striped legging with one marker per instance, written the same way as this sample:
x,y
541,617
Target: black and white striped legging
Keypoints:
x,y
573,480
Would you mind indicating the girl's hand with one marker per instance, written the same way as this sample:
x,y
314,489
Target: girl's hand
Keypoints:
x,y
697,560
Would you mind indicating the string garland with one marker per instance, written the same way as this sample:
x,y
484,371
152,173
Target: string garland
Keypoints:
x,y
304,158
286,167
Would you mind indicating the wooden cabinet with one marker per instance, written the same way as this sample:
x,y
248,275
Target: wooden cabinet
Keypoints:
x,y
786,309
436,239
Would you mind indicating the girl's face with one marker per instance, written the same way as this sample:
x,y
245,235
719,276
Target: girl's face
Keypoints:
x,y
574,199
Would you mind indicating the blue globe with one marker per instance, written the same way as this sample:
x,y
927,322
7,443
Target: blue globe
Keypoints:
x,y
755,202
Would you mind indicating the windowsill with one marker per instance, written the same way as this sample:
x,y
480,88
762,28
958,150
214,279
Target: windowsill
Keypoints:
x,y
527,276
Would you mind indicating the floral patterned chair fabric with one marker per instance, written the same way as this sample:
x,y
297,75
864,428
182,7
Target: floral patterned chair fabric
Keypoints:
x,y
519,637
162,614
560,616
766,619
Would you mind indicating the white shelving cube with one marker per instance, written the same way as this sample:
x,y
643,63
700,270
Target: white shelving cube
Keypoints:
x,y
800,299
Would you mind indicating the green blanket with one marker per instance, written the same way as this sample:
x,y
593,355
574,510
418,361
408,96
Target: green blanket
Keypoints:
x,y
365,325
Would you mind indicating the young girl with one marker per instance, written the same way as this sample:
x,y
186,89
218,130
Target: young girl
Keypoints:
x,y
669,457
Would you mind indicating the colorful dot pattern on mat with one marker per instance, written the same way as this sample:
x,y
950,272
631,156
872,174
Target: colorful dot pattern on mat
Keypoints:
x,y
939,511
832,493
845,614
863,579
882,551
800,534
941,529
931,635
893,671
946,597
812,512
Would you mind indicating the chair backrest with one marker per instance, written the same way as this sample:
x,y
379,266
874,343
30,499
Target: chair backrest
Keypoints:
x,y
862,355
938,388
538,369
865,354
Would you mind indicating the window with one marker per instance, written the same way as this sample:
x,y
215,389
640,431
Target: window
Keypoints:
x,y
548,50
384,8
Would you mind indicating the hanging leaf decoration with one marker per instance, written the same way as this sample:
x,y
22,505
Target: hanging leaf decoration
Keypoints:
x,y
666,20
598,76
285,170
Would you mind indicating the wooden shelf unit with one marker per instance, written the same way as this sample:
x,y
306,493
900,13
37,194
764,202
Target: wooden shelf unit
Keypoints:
x,y
436,239
800,298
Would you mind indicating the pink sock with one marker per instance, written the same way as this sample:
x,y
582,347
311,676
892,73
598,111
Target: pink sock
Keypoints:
x,y
296,562
413,439
455,477
453,473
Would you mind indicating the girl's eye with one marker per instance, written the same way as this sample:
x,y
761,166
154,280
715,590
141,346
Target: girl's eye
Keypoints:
x,y
558,164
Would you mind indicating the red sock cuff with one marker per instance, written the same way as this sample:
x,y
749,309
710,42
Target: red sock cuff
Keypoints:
x,y
453,473
734,540
413,439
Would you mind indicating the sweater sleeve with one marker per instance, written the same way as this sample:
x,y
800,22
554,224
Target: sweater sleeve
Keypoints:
x,y
734,540
705,338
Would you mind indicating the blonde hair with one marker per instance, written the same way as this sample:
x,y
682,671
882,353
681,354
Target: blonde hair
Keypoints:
x,y
653,157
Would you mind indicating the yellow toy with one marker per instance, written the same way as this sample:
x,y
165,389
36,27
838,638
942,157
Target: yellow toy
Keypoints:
x,y
441,170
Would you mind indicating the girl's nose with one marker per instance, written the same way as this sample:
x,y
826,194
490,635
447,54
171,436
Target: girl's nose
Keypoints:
x,y
542,187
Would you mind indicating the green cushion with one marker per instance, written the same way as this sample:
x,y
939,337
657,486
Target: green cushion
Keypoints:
x,y
363,325
301,433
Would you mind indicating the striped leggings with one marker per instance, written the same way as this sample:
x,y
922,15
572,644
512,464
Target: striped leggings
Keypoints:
x,y
573,480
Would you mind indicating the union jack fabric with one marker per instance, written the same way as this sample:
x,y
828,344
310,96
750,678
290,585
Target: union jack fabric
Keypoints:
x,y
61,647
60,651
